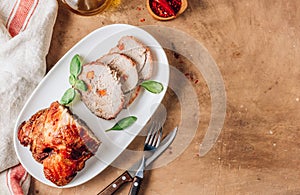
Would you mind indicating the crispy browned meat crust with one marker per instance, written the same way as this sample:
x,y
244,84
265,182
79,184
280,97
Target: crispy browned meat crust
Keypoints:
x,y
58,140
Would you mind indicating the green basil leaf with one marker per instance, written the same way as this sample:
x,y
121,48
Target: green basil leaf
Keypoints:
x,y
72,80
68,96
152,86
75,66
123,123
80,84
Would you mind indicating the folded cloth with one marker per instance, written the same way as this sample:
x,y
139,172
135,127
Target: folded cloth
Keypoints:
x,y
25,33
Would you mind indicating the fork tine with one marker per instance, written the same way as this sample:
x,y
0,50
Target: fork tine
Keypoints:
x,y
152,134
149,133
155,140
159,137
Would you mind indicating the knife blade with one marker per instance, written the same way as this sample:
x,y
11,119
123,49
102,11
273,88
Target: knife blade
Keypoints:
x,y
129,174
137,180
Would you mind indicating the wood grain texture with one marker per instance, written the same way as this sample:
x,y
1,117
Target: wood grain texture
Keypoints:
x,y
256,45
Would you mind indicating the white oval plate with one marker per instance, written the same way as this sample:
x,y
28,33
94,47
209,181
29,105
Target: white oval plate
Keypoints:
x,y
54,84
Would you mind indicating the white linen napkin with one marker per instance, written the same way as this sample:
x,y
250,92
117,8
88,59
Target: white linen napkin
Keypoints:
x,y
25,33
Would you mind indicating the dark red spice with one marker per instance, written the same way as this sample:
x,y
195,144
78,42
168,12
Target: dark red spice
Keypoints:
x,y
138,8
191,78
165,8
142,20
176,55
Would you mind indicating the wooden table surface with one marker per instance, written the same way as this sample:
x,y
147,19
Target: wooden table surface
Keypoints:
x,y
256,47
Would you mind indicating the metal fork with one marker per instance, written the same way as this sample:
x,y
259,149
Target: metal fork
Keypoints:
x,y
153,137
151,143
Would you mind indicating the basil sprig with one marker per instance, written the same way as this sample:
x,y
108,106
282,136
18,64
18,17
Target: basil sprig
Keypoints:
x,y
76,84
68,96
152,86
123,123
75,66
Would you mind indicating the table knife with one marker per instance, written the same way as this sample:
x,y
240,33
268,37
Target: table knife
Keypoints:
x,y
137,180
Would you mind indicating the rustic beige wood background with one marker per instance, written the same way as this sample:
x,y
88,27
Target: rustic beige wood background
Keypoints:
x,y
257,48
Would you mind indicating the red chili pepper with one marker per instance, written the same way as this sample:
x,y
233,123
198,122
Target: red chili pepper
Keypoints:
x,y
166,6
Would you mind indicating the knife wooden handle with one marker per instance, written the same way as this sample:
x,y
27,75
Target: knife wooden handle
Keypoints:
x,y
135,186
115,185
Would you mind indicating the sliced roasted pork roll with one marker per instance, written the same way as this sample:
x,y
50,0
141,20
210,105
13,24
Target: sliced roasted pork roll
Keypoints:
x,y
104,96
126,68
140,53
60,141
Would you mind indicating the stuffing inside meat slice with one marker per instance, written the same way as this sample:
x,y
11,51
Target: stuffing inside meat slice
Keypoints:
x,y
60,141
126,68
104,96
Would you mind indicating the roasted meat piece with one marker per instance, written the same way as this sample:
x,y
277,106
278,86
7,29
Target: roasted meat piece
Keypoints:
x,y
126,68
137,51
58,140
104,96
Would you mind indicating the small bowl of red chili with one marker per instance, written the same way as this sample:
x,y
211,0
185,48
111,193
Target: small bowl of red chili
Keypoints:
x,y
166,9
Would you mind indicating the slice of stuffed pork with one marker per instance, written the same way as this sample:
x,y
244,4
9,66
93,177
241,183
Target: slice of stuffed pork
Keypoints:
x,y
104,96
